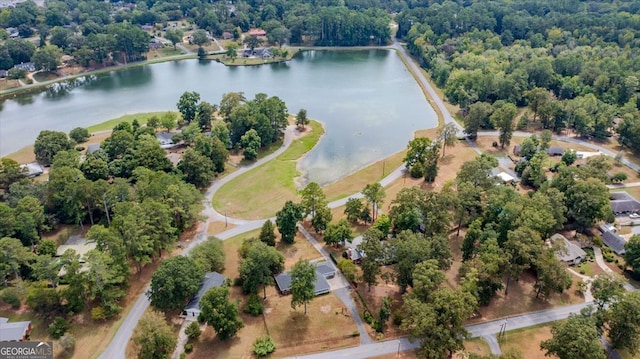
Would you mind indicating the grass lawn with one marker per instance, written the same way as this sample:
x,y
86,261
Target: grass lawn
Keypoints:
x,y
108,125
164,52
263,191
6,84
45,76
526,341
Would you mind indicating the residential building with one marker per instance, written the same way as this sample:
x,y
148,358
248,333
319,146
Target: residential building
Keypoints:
x,y
210,280
14,332
568,251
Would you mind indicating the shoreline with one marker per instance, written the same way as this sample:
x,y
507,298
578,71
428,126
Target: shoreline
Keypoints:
x,y
6,94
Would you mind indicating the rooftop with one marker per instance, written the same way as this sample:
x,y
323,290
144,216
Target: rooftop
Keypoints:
x,y
614,241
570,251
15,331
283,280
210,280
81,249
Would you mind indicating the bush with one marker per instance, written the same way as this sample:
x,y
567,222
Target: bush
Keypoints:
x,y
11,297
368,317
193,331
79,134
355,333
254,305
97,313
417,170
68,343
397,317
79,148
188,348
494,144
264,346
58,327
15,74
183,356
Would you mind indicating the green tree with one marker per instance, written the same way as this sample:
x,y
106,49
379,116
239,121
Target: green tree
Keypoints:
x,y
587,202
188,105
47,58
79,134
259,266
374,194
431,163
574,338
232,51
448,134
193,331
168,119
200,38
352,209
348,268
287,220
536,99
148,153
175,36
624,323
205,113
116,145
416,151
220,313
301,118
312,198
252,42
154,337
209,255
632,253
48,144
606,289
374,251
303,279
551,274
338,233
104,281
439,322
176,280
196,168
250,143
263,346
502,118
58,327
322,218
13,256
268,234
10,172
522,247
476,118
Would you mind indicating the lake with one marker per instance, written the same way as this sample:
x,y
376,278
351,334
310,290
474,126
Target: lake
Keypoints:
x,y
369,103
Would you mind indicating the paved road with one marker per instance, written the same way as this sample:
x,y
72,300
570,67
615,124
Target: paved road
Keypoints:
x,y
488,329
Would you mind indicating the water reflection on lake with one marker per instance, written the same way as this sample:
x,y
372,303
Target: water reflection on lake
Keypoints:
x,y
369,103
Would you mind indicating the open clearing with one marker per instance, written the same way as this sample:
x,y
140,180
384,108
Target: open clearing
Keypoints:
x,y
526,341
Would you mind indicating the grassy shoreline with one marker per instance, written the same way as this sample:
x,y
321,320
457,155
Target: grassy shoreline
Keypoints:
x,y
263,190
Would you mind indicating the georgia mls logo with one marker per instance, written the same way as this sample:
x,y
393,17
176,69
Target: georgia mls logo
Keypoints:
x,y
26,350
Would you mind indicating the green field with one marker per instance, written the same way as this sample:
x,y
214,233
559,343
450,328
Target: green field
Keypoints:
x,y
108,125
262,191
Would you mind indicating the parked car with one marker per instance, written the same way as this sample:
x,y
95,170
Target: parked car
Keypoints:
x,y
634,215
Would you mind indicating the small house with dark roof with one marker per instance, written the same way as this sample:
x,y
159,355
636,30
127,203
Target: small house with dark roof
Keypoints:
x,y
210,280
614,241
3,73
568,251
14,332
261,52
283,281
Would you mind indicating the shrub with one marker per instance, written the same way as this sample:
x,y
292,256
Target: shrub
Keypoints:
x,y
494,144
58,327
11,297
254,305
79,134
397,317
264,346
97,313
183,356
68,343
188,348
417,170
355,333
368,317
193,331
79,148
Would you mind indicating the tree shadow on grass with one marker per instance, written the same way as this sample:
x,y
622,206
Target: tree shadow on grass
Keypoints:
x,y
297,327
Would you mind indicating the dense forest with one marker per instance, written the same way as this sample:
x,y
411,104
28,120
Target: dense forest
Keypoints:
x,y
573,63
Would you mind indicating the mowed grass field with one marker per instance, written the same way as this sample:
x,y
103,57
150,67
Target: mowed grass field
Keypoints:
x,y
261,192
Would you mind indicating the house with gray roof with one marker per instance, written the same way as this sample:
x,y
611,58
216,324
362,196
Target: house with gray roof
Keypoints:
x,y
326,270
14,332
568,251
33,169
166,140
210,280
623,203
94,147
283,281
614,241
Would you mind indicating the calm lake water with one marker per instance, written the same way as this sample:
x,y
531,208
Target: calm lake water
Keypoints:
x,y
369,103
